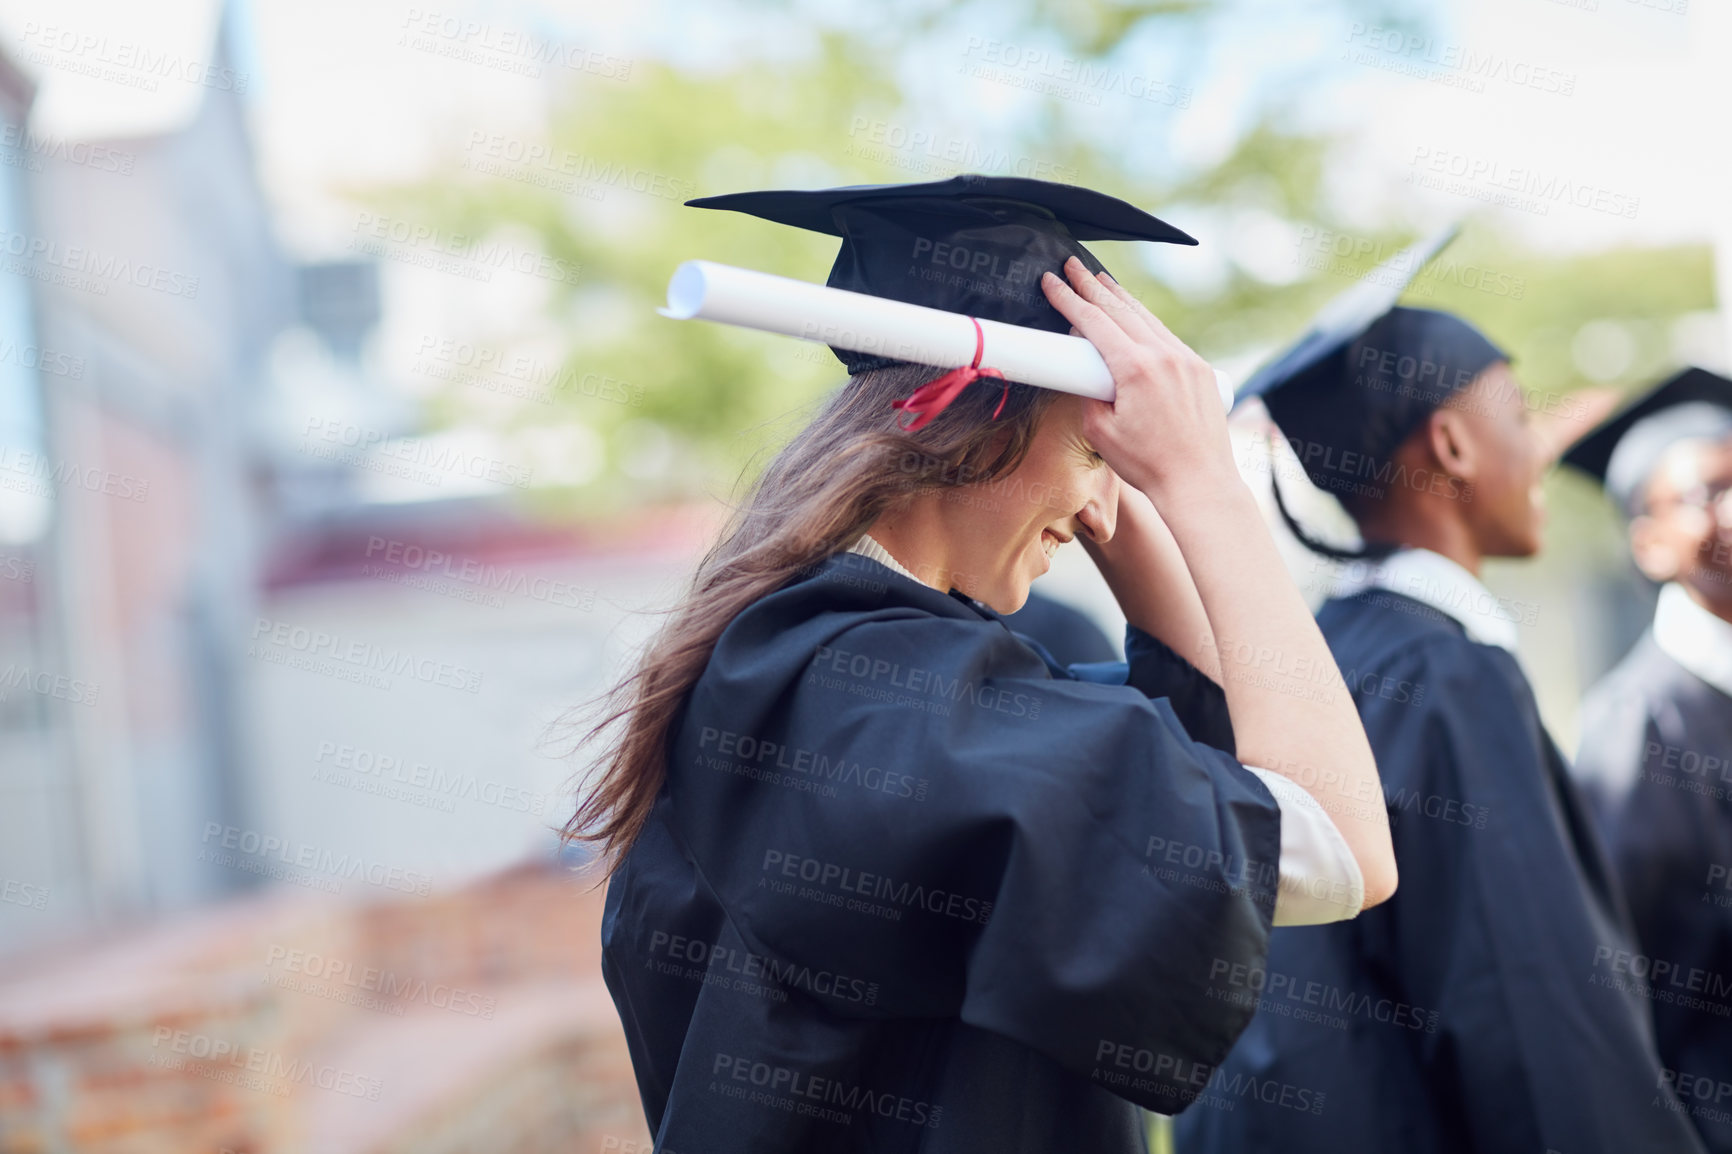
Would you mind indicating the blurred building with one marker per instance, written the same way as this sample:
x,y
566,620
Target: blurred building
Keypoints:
x,y
166,373
145,272
162,987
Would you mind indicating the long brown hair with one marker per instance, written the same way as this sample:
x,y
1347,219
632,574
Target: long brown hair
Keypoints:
x,y
819,494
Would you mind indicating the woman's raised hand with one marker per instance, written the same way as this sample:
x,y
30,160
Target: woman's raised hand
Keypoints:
x,y
1165,434
1166,425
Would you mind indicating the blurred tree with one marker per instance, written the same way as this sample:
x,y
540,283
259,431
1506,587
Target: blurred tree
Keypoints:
x,y
621,157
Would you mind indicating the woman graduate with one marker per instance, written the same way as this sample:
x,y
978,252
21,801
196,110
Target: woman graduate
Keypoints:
x,y
885,877
1485,1009
1656,749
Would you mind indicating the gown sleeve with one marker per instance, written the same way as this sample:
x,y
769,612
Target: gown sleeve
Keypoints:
x,y
1071,872
1319,879
1197,700
1157,671
1498,928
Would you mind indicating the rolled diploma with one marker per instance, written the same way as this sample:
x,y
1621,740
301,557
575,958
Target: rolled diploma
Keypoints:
x,y
704,290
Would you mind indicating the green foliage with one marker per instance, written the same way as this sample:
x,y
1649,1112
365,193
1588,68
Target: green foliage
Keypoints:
x,y
674,135
1644,290
716,398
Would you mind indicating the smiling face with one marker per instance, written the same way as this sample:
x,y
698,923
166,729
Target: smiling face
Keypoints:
x,y
1685,533
1008,529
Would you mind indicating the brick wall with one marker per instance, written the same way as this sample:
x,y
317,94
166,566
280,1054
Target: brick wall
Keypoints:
x,y
469,1021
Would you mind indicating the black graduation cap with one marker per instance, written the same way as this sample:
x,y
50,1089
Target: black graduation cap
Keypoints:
x,y
1623,450
1368,372
1344,319
971,244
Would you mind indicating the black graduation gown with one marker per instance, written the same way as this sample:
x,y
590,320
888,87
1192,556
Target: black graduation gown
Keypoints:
x,y
1065,632
910,886
1480,1009
1667,732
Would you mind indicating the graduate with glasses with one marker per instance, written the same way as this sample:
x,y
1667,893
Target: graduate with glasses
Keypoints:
x,y
885,875
1656,749
1478,1010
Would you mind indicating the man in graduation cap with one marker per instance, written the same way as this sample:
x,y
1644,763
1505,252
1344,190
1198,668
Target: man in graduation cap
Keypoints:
x,y
1656,751
1479,1009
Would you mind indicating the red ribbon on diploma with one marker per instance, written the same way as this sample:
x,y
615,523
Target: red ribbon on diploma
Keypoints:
x,y
930,399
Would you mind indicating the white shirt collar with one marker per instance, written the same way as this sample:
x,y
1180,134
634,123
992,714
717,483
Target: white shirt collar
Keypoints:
x,y
868,546
1433,579
1694,637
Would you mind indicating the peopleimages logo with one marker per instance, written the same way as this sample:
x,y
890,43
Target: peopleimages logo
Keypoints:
x,y
32,149
123,61
83,261
24,894
394,238
504,155
737,752
426,459
510,49
797,1091
286,643
899,146
918,684
268,849
1155,1072
845,881
325,975
496,370
1307,1000
370,771
254,1067
407,555
1067,77
757,974
1472,66
1533,189
40,681
32,472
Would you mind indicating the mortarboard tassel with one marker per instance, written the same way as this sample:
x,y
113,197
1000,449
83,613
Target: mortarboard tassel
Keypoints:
x,y
931,398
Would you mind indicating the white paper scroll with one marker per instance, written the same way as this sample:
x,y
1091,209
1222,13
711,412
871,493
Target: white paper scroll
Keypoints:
x,y
703,290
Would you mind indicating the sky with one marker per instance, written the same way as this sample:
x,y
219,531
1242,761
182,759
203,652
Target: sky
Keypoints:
x,y
338,98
